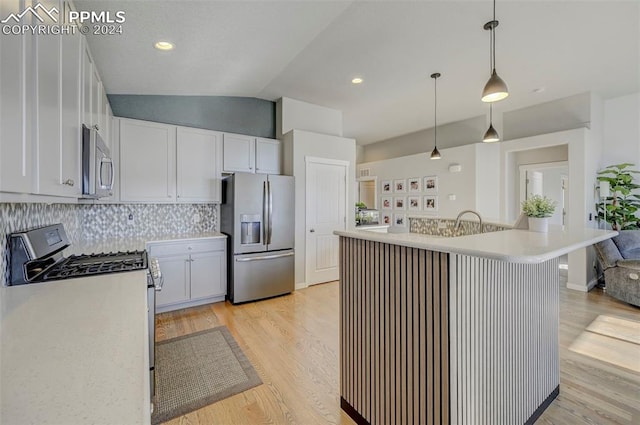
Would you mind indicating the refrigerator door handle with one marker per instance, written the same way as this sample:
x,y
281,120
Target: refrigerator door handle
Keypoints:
x,y
265,213
264,257
270,212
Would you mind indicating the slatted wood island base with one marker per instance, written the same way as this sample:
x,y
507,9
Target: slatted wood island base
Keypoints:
x,y
435,337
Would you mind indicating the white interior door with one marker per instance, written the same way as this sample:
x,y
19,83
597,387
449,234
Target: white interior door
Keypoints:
x,y
326,211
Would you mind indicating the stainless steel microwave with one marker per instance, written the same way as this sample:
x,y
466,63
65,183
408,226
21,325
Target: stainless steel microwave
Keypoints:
x,y
97,165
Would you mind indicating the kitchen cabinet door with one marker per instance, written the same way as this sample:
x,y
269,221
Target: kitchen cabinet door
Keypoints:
x,y
96,100
47,117
175,270
198,165
268,156
71,86
239,153
16,92
208,274
147,161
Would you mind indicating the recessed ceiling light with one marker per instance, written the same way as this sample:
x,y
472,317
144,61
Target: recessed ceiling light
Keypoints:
x,y
357,80
163,45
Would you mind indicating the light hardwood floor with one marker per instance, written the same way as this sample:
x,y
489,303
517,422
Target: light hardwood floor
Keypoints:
x,y
292,341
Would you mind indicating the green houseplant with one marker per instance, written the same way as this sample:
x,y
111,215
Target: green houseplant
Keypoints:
x,y
538,209
620,207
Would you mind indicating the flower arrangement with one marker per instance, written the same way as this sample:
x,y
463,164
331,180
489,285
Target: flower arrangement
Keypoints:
x,y
538,206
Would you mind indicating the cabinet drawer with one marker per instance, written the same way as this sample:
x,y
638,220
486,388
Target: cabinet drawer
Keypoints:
x,y
185,247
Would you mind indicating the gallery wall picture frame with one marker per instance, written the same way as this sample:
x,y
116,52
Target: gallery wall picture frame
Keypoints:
x,y
387,218
399,203
400,220
431,203
414,184
431,185
400,185
387,186
413,203
387,203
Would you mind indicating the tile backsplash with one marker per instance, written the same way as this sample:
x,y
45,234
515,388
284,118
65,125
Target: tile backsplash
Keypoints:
x,y
104,221
446,227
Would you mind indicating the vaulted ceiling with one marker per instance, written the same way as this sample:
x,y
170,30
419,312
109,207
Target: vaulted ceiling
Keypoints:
x,y
310,50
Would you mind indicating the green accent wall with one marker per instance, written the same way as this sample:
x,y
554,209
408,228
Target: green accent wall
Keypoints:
x,y
243,115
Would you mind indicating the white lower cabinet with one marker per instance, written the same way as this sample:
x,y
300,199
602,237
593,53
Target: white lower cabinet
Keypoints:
x,y
194,271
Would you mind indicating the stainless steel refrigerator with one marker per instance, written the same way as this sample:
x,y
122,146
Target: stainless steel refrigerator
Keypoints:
x,y
257,215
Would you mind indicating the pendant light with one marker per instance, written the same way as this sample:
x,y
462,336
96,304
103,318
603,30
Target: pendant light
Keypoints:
x,y
435,154
495,89
491,135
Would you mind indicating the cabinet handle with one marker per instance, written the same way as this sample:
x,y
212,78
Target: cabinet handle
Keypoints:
x,y
95,126
69,182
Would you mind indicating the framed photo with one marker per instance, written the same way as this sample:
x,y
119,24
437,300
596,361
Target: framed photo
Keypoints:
x,y
400,185
387,219
431,185
415,184
399,220
399,203
386,186
387,203
413,203
431,203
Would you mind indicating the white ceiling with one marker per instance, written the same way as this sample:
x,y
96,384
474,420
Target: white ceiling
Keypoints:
x,y
310,50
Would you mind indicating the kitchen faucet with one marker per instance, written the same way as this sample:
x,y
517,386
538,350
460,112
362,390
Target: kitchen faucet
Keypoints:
x,y
464,212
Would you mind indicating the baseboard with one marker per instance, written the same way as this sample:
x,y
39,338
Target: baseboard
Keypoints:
x,y
301,285
592,283
577,287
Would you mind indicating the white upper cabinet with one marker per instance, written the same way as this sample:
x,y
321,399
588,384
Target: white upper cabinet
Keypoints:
x,y
57,113
268,156
249,154
16,92
87,77
147,161
239,153
198,165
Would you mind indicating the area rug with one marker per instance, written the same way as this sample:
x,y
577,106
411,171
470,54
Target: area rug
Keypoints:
x,y
195,370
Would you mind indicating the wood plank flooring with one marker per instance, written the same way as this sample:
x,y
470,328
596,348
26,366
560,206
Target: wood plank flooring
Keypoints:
x,y
293,342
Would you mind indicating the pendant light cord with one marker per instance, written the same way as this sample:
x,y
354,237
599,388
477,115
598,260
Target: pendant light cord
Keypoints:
x,y
435,112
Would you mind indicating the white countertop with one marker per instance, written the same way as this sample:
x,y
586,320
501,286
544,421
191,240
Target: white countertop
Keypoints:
x,y
515,246
75,352
133,244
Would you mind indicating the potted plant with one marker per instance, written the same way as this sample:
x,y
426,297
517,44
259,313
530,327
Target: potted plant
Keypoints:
x,y
538,209
619,209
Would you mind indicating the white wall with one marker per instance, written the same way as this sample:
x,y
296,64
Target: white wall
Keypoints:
x,y
299,144
488,180
295,114
462,184
622,130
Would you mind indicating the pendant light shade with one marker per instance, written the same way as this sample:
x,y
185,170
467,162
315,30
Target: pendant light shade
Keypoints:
x,y
435,154
491,135
495,89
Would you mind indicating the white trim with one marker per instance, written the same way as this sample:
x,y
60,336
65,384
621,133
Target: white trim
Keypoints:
x,y
301,285
328,161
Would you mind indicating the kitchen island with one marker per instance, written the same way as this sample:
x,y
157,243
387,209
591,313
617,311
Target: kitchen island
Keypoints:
x,y
75,351
457,330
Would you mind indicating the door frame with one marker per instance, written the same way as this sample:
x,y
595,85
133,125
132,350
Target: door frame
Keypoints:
x,y
528,167
325,161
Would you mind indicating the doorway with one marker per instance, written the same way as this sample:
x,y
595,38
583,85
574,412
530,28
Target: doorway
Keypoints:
x,y
326,211
549,179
